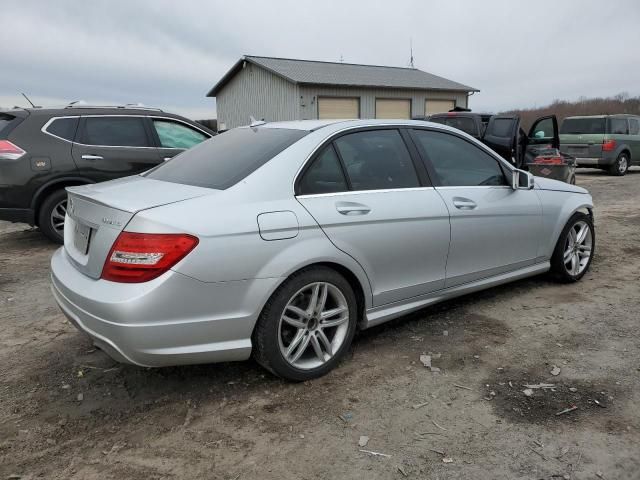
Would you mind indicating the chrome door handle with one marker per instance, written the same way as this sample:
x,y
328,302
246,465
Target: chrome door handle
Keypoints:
x,y
464,204
352,208
166,159
92,157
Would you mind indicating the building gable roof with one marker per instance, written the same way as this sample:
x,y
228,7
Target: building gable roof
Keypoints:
x,y
344,74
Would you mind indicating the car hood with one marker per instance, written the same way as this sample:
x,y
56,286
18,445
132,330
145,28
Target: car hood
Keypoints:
x,y
557,186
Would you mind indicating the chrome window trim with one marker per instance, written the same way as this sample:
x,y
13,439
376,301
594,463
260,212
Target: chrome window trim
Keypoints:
x,y
359,192
159,117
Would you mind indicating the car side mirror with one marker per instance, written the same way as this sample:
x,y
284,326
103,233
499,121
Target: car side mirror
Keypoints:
x,y
521,180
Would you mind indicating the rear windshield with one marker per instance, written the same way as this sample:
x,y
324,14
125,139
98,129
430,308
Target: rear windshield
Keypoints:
x,y
576,126
227,158
5,120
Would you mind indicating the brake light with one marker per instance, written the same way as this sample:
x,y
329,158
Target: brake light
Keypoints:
x,y
608,145
140,257
548,160
10,151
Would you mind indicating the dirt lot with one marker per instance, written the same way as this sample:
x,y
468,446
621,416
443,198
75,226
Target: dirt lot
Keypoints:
x,y
68,411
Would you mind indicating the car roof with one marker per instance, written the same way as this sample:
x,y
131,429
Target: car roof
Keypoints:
x,y
98,110
312,125
603,116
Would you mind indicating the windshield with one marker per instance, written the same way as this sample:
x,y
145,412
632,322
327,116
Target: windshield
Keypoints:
x,y
577,126
227,158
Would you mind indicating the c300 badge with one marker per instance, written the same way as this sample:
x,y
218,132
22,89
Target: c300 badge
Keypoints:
x,y
109,221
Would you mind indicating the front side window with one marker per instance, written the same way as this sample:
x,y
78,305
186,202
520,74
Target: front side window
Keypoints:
x,y
458,162
177,135
618,126
114,132
377,159
64,127
228,158
325,175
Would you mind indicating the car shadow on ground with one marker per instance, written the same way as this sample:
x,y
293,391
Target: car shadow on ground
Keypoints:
x,y
78,383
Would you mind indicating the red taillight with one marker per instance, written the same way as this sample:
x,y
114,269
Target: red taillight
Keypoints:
x,y
140,257
10,151
608,145
548,160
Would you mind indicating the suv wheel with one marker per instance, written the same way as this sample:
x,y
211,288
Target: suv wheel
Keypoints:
x,y
574,250
51,216
620,166
307,325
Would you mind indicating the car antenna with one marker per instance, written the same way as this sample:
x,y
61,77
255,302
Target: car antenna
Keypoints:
x,y
254,122
32,104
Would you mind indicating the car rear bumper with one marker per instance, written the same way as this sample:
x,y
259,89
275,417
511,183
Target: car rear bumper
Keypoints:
x,y
171,320
17,215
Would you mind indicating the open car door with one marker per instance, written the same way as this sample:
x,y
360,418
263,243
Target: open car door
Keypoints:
x,y
503,136
543,138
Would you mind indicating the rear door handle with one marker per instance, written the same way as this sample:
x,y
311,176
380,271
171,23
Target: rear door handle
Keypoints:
x,y
166,159
92,157
464,203
352,208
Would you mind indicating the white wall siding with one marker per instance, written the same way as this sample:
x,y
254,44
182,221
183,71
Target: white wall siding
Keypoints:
x,y
309,99
256,92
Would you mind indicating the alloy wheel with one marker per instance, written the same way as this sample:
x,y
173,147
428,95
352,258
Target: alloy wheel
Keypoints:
x,y
578,247
57,216
313,325
622,164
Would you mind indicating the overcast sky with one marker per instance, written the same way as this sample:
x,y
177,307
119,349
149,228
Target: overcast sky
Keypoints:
x,y
170,53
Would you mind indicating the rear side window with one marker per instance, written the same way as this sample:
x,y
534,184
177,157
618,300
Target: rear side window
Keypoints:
x,y
114,132
634,126
325,175
585,126
227,158
465,124
377,159
177,135
618,126
63,127
502,127
458,162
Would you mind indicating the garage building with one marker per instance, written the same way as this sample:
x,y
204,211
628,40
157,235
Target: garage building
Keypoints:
x,y
276,89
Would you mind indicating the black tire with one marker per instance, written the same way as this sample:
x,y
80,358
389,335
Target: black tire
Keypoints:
x,y
558,267
45,222
266,349
621,166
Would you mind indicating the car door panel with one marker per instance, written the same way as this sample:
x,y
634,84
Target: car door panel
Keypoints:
x,y
96,153
543,135
399,237
502,135
493,230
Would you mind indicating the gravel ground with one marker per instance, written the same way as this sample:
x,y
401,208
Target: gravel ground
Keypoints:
x,y
68,411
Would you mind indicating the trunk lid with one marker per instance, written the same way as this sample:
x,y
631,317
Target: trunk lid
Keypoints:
x,y
96,214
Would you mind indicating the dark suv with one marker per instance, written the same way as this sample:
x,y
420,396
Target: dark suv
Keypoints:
x,y
42,151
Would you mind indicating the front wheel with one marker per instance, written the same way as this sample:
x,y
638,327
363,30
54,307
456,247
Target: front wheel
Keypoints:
x,y
52,214
307,325
574,250
620,166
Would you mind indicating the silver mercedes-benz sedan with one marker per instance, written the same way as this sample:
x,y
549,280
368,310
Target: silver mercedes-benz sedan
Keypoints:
x,y
283,239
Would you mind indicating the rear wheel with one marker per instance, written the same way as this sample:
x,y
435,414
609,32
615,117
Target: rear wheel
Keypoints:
x,y
620,166
52,214
574,251
307,325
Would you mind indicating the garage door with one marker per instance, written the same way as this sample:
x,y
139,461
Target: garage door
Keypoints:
x,y
393,108
329,107
438,106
